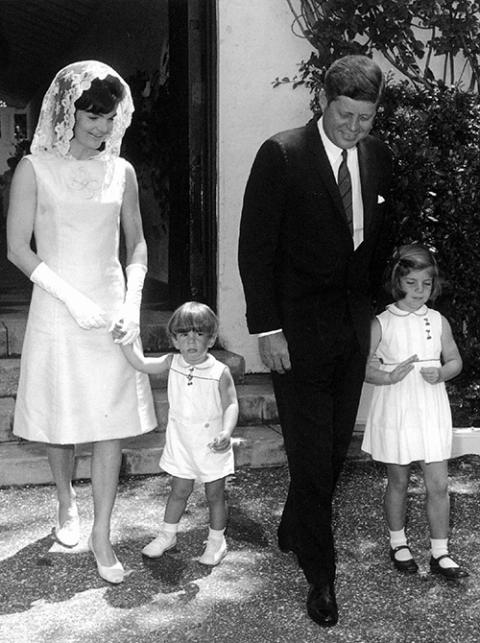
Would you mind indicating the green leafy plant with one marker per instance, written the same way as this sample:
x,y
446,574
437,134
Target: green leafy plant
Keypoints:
x,y
407,33
434,135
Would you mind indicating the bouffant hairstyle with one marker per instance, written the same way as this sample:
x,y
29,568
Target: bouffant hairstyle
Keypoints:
x,y
193,316
102,97
356,77
412,257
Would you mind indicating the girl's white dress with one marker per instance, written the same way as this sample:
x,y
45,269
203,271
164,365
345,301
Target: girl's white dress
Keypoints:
x,y
76,385
195,418
410,420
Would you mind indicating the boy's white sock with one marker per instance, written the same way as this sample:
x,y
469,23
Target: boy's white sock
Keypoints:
x,y
397,539
216,548
215,534
166,539
170,528
440,548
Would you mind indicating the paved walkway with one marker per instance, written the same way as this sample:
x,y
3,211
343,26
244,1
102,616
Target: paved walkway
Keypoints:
x,y
49,594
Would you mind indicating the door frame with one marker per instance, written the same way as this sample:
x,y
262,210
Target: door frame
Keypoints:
x,y
193,167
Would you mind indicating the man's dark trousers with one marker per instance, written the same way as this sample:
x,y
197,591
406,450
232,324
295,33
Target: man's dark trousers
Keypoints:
x,y
317,402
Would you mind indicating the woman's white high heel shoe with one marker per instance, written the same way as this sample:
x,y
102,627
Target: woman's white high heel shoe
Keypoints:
x,y
113,574
68,534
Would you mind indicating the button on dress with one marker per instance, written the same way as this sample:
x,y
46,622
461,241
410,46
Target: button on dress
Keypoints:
x,y
76,385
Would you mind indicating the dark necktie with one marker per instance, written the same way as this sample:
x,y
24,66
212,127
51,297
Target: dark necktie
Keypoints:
x,y
345,187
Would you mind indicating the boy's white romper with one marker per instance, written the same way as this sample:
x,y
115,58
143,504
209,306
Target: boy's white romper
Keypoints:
x,y
195,418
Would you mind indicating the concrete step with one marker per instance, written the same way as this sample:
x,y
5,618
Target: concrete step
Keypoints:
x,y
10,371
255,396
252,403
26,463
256,446
259,441
13,321
256,402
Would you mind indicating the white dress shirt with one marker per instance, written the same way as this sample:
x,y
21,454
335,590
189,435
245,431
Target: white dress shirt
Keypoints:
x,y
334,155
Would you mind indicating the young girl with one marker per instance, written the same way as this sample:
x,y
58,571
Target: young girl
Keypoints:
x,y
412,354
203,413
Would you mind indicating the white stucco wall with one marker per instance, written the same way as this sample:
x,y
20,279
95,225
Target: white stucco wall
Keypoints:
x,y
255,45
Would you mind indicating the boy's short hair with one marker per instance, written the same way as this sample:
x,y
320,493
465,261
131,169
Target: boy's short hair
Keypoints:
x,y
357,77
193,315
410,257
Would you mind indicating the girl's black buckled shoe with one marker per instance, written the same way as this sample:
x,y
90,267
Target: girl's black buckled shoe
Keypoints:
x,y
450,573
406,566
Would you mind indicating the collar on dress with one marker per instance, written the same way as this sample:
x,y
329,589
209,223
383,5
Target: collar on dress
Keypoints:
x,y
395,310
206,364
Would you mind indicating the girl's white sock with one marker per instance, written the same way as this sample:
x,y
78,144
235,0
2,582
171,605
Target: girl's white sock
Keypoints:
x,y
397,539
440,548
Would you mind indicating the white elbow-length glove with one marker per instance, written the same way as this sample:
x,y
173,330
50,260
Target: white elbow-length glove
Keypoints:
x,y
83,310
128,318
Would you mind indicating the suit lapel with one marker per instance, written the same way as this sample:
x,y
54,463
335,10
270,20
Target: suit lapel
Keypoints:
x,y
366,164
322,166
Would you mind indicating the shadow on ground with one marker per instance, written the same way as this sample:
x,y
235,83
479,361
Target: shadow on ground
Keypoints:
x,y
257,594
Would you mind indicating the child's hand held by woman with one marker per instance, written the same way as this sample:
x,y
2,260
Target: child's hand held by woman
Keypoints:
x,y
117,332
129,316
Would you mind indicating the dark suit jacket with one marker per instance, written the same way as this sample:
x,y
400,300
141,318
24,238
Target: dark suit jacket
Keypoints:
x,y
295,248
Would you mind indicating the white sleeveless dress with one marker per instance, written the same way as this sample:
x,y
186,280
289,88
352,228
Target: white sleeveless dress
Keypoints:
x,y
194,420
410,420
76,385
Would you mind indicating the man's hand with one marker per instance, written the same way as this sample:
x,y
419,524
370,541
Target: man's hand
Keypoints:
x,y
274,352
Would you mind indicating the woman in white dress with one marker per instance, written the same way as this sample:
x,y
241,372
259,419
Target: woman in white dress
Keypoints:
x,y
74,194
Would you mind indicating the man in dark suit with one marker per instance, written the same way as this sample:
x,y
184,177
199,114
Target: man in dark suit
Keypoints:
x,y
311,234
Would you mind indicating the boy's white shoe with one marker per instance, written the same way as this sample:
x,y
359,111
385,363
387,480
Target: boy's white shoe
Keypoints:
x,y
162,543
215,551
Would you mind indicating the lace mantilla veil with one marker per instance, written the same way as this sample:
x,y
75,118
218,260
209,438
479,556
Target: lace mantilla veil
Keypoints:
x,y
57,115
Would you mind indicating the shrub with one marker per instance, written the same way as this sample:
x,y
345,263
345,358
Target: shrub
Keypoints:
x,y
434,135
432,129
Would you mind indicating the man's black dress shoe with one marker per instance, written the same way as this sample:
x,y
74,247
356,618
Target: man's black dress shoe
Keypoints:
x,y
450,573
322,605
407,566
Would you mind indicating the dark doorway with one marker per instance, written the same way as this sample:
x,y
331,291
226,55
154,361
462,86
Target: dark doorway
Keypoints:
x,y
184,267
192,248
